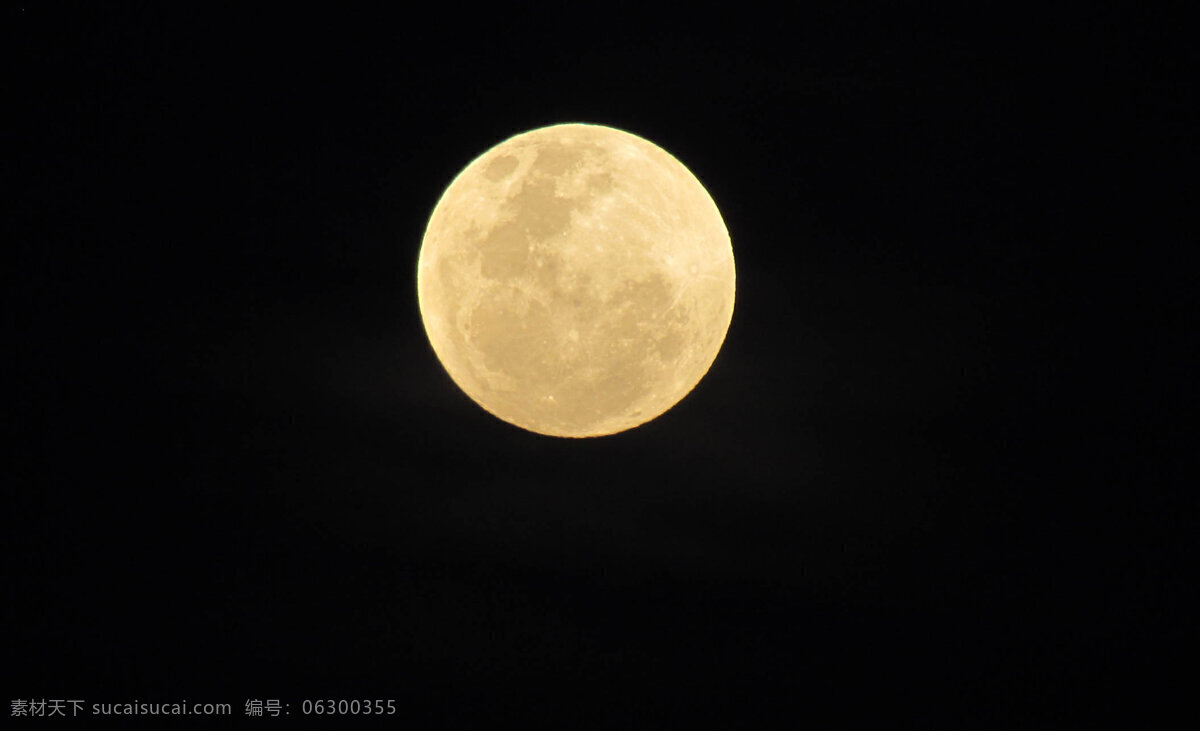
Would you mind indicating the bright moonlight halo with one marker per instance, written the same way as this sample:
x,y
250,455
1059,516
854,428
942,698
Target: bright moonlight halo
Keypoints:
x,y
576,280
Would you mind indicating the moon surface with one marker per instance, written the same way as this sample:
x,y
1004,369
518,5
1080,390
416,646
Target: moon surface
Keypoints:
x,y
576,280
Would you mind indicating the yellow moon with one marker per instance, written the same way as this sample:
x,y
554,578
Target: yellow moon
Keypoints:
x,y
576,280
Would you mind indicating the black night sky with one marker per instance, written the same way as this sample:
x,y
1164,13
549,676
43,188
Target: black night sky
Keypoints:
x,y
926,482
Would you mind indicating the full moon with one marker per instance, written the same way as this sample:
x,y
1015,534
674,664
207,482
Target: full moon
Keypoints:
x,y
576,280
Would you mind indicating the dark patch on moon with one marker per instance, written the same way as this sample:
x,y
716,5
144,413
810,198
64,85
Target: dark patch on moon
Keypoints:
x,y
555,158
504,253
500,168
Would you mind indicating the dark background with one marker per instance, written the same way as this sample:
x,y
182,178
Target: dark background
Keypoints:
x,y
927,479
